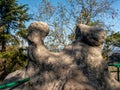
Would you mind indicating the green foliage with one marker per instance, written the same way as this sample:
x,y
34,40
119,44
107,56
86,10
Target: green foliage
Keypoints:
x,y
12,18
22,33
14,58
116,39
12,32
112,40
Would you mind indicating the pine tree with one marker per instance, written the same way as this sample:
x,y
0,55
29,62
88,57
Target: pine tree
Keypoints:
x,y
12,18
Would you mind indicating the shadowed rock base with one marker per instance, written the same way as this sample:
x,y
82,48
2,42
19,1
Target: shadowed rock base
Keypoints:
x,y
80,66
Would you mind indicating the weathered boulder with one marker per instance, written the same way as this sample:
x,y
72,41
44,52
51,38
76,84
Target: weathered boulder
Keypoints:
x,y
79,66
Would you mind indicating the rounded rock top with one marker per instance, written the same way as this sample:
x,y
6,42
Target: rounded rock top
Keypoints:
x,y
41,26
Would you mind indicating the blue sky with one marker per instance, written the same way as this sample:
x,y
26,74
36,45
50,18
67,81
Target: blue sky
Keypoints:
x,y
33,4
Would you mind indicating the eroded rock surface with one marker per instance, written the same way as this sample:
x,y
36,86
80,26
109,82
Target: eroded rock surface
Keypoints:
x,y
80,66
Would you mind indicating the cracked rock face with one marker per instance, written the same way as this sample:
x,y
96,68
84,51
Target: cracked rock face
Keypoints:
x,y
79,66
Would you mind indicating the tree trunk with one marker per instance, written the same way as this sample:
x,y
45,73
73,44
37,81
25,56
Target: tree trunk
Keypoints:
x,y
3,45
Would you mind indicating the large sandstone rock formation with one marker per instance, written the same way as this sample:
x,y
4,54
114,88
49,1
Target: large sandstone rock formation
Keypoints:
x,y
79,66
